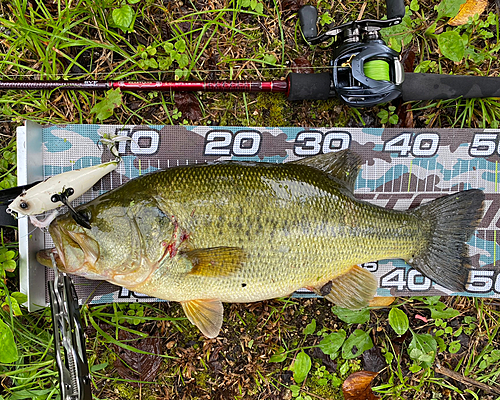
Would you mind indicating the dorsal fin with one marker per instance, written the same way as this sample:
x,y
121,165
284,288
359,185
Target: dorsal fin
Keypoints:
x,y
343,165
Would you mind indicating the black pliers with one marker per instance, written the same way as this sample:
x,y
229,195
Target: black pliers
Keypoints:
x,y
69,340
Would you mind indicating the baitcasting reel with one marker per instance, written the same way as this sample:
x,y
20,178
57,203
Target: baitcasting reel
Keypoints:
x,y
365,72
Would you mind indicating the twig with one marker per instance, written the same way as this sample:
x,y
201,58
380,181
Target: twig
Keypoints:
x,y
466,381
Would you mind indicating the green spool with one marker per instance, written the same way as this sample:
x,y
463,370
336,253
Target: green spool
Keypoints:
x,y
377,70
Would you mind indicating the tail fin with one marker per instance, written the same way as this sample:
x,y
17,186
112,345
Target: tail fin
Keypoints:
x,y
449,222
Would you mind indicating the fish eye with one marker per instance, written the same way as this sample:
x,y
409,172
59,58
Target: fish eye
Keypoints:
x,y
24,205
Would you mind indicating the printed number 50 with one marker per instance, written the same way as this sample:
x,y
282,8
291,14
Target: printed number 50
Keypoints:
x,y
484,145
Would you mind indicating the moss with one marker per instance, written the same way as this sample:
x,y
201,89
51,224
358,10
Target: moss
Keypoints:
x,y
126,391
269,110
327,391
201,378
251,321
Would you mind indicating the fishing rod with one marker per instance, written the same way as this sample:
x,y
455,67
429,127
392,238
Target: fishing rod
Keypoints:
x,y
363,72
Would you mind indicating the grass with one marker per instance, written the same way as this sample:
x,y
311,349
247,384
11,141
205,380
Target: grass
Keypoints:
x,y
256,354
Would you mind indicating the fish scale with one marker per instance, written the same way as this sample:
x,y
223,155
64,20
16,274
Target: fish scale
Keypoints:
x,y
291,223
244,231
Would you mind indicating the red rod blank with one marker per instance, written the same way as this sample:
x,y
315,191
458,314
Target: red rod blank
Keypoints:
x,y
192,86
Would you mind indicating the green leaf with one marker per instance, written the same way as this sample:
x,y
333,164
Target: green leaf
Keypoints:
x,y
295,390
383,115
123,17
454,346
393,119
332,342
415,368
14,305
20,297
180,45
7,255
151,63
259,8
326,19
401,34
451,45
105,108
444,314
168,46
359,339
183,60
279,356
9,348
448,8
398,321
301,367
310,328
352,316
414,5
269,59
164,63
9,265
98,367
426,66
423,348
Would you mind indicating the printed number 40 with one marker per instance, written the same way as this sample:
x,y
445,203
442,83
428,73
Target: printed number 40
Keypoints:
x,y
420,145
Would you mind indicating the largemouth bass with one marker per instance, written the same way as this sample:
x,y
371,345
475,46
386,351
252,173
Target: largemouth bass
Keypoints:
x,y
243,232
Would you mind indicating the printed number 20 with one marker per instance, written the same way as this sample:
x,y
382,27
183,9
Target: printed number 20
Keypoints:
x,y
223,143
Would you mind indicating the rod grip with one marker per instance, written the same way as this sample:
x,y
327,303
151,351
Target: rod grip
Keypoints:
x,y
308,86
437,86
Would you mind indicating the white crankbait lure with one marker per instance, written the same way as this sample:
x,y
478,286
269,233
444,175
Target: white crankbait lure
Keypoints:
x,y
58,190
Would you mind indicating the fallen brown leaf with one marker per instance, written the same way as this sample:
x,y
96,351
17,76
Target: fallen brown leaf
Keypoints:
x,y
137,366
357,386
302,65
373,360
188,105
467,10
292,5
381,301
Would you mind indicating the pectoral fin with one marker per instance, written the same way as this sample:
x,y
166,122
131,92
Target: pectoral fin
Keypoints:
x,y
353,289
205,314
216,261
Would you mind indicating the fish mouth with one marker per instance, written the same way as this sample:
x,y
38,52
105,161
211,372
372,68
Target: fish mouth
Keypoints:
x,y
44,258
75,252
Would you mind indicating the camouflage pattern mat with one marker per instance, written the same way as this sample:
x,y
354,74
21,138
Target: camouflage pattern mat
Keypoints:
x,y
401,169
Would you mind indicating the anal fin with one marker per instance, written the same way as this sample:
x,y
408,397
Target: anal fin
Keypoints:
x,y
353,289
205,314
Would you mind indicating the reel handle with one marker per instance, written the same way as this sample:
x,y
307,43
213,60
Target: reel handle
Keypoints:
x,y
308,16
395,8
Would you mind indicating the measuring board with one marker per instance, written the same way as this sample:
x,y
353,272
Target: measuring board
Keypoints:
x,y
401,169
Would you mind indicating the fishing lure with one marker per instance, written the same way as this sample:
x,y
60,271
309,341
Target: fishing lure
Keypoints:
x,y
58,190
